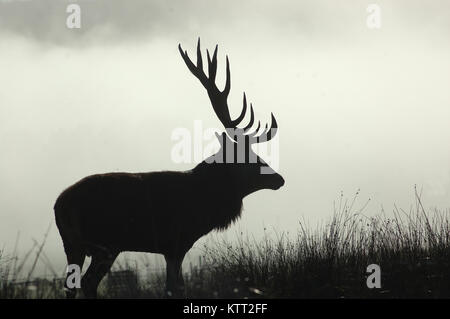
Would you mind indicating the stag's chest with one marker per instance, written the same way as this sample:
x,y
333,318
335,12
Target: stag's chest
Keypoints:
x,y
222,214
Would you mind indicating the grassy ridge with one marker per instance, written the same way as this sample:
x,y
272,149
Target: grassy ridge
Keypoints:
x,y
412,248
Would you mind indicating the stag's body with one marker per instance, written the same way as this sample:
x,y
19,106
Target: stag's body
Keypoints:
x,y
163,212
158,212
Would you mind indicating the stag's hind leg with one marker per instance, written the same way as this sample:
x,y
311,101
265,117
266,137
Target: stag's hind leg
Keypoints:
x,y
75,256
101,263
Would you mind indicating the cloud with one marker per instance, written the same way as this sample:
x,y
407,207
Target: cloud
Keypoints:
x,y
107,21
45,21
117,21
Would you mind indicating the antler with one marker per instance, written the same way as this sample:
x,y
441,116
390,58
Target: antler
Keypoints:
x,y
219,98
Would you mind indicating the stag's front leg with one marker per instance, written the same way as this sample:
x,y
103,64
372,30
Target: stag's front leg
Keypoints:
x,y
174,282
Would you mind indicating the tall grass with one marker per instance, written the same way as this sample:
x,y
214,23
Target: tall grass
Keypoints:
x,y
328,261
412,249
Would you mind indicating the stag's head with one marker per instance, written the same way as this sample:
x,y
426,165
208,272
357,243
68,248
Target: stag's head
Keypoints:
x,y
236,157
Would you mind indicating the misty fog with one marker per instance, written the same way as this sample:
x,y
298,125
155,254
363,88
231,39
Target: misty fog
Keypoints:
x,y
357,108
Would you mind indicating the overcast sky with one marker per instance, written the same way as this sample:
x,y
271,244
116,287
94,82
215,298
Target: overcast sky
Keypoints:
x,y
357,107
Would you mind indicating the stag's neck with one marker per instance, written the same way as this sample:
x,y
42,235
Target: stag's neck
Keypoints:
x,y
221,178
223,193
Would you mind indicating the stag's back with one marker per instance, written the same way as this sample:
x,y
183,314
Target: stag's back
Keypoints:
x,y
124,211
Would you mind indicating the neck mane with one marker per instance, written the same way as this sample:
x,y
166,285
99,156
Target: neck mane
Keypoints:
x,y
222,194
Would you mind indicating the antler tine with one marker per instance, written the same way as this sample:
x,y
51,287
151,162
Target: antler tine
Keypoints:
x,y
193,68
226,90
270,133
255,132
242,131
199,57
252,117
218,98
241,116
267,134
256,138
212,64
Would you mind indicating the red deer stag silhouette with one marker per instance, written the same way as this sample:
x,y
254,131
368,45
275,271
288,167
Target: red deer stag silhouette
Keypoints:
x,y
165,212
